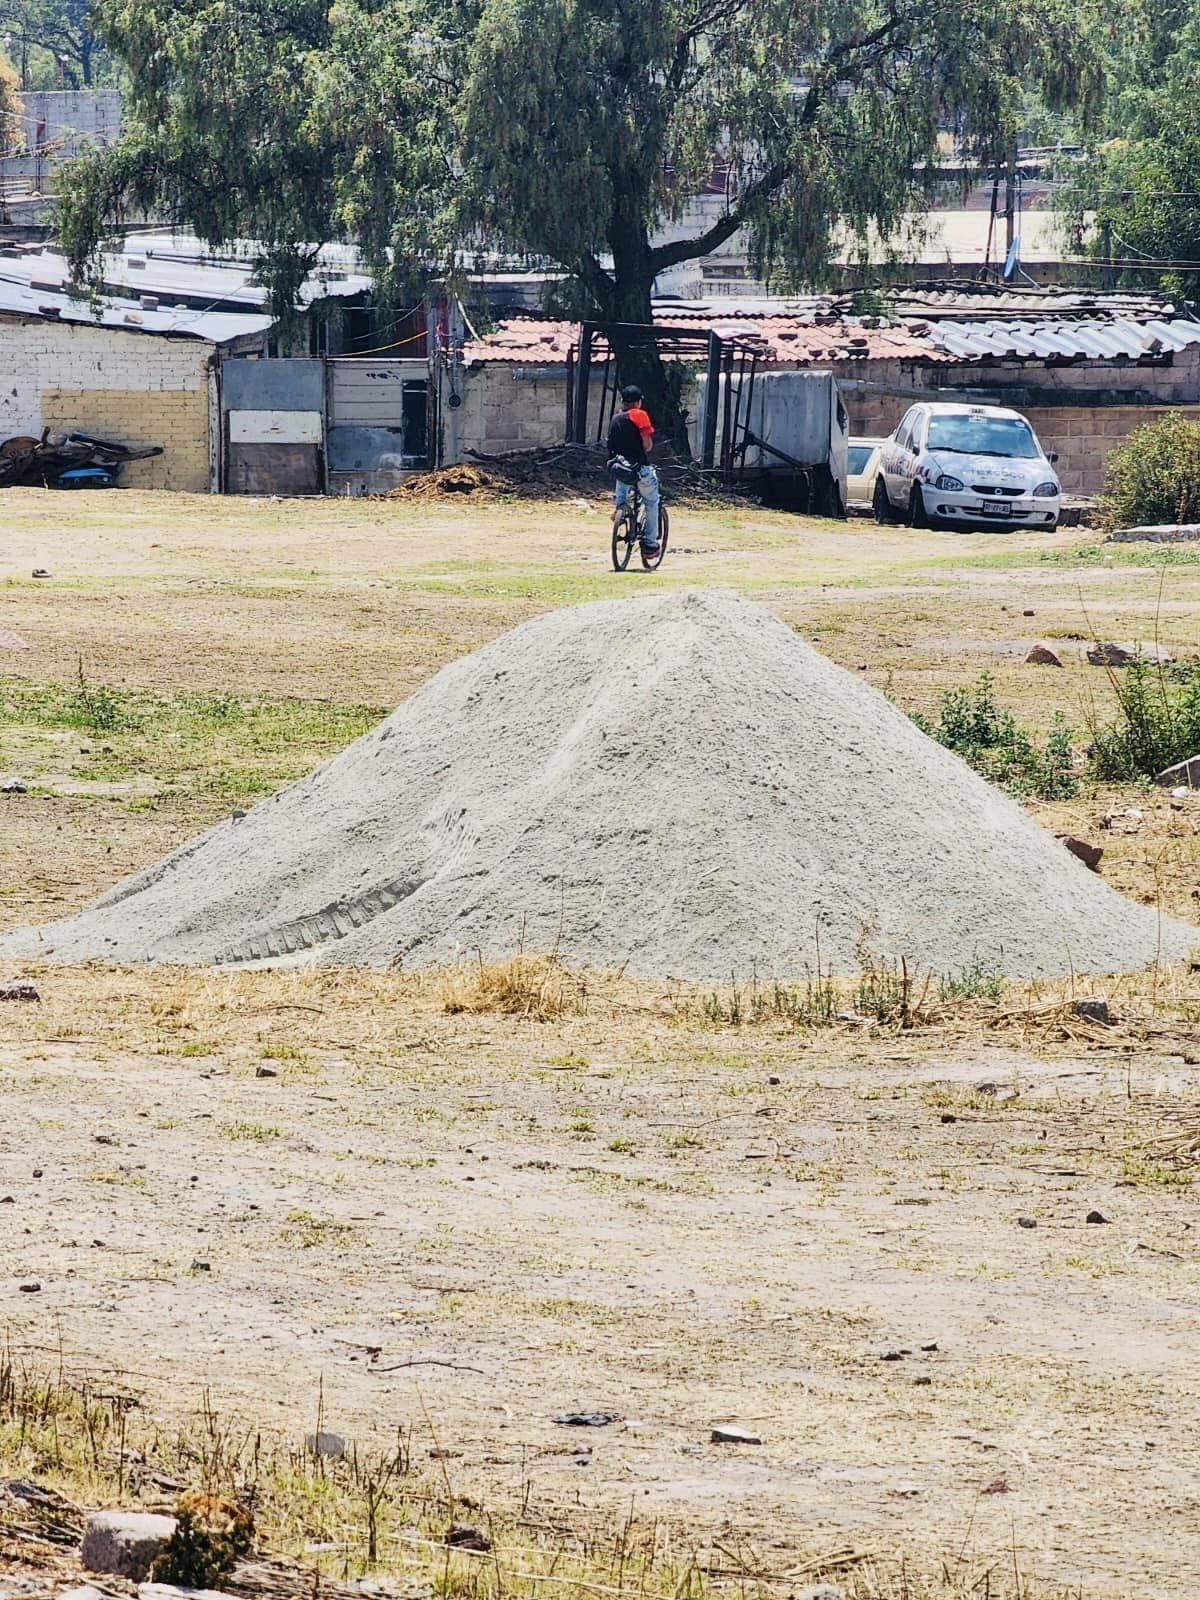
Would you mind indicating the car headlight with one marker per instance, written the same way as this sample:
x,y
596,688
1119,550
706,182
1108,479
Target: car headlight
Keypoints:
x,y
1046,491
949,484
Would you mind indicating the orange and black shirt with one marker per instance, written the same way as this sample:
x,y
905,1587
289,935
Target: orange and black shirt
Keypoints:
x,y
630,434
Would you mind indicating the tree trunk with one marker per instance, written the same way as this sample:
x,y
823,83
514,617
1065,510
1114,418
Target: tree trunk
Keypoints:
x,y
630,303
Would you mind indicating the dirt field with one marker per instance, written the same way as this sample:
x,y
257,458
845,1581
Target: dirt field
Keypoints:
x,y
633,1207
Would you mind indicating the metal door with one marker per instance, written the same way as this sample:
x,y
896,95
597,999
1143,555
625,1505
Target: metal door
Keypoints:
x,y
273,418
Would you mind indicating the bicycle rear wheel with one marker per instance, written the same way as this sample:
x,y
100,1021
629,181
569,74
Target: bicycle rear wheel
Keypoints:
x,y
624,536
664,528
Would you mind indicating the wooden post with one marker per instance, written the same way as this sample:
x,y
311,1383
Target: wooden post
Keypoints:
x,y
583,378
712,388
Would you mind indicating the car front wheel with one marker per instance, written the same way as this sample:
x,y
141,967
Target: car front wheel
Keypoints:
x,y
917,515
880,503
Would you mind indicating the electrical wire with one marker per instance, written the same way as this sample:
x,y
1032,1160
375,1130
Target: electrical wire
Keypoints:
x,y
398,344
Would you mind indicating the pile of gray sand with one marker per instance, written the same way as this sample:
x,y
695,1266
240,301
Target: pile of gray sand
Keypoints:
x,y
677,784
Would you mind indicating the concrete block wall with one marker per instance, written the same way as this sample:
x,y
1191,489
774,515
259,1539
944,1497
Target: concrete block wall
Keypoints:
x,y
134,388
501,413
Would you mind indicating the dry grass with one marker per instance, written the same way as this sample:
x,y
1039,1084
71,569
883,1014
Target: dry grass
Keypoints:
x,y
538,988
319,1523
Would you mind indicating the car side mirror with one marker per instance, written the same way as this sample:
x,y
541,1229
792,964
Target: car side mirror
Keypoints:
x,y
1052,456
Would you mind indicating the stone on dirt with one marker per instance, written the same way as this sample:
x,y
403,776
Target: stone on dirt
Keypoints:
x,y
1110,654
1093,1011
726,1433
1090,854
124,1542
330,1445
690,790
1042,656
170,1591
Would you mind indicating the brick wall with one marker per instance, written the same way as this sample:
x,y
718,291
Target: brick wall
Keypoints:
x,y
134,388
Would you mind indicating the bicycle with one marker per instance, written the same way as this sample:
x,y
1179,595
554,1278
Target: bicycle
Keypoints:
x,y
629,522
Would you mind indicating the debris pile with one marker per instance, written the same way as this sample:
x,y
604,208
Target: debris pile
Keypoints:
x,y
677,785
552,471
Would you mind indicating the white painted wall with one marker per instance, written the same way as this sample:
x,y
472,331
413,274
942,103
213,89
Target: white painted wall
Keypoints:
x,y
39,355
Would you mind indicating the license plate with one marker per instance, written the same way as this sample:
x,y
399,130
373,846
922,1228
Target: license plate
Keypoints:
x,y
997,508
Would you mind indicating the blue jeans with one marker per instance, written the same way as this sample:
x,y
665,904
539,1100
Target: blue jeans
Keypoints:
x,y
648,489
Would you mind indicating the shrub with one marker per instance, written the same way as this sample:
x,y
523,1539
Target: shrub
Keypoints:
x,y
1154,475
989,739
211,1536
1159,721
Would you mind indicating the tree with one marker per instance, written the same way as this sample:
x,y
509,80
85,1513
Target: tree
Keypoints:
x,y
429,130
12,136
62,36
1133,202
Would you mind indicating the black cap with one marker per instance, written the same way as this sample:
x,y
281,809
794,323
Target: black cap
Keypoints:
x,y
631,392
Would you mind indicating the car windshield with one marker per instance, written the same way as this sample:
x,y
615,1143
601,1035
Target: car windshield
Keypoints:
x,y
857,457
982,436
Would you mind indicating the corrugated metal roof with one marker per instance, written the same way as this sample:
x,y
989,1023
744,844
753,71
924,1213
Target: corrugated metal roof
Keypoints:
x,y
1064,339
964,302
178,268
217,327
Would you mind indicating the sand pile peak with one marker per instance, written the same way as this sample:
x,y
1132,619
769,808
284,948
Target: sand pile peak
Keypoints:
x,y
677,784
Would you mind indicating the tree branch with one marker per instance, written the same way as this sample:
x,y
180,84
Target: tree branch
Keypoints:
x,y
595,280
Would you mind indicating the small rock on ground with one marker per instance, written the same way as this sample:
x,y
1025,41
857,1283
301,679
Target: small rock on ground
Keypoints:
x,y
1093,1011
464,1537
821,1591
330,1445
124,1542
169,1591
728,1434
1110,654
1042,656
1089,854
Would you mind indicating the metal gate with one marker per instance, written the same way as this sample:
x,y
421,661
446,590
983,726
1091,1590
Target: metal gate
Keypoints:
x,y
273,426
379,423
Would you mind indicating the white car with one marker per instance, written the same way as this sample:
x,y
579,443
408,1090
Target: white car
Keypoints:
x,y
966,466
862,465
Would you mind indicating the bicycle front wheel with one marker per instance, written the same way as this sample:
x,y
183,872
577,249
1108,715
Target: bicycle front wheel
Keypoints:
x,y
624,537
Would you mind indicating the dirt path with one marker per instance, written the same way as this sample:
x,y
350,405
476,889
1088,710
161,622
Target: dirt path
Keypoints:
x,y
679,1225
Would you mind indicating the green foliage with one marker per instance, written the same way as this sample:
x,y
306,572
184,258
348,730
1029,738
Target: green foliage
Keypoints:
x,y
96,706
972,982
1130,199
55,44
989,739
1158,724
211,1536
812,1004
430,131
884,991
1154,475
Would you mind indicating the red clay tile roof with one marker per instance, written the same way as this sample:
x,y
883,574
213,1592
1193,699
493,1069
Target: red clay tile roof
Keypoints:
x,y
528,341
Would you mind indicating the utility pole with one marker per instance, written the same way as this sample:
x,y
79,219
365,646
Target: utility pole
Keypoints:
x,y
1107,274
1010,199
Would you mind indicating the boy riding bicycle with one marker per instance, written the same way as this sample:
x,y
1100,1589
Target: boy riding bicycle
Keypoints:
x,y
631,436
